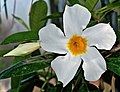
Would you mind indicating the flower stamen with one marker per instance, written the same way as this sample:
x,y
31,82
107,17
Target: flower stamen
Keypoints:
x,y
77,45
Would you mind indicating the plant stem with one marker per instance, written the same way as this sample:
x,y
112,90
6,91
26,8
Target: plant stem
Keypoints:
x,y
43,85
78,81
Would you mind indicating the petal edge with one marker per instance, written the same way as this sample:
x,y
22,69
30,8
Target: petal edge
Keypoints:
x,y
94,64
101,35
75,19
52,39
66,67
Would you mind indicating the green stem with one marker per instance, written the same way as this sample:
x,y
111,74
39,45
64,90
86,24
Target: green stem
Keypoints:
x,y
46,81
43,85
78,81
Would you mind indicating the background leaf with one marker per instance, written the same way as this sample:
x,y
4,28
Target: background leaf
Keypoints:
x,y
3,52
109,7
114,65
27,66
118,35
100,13
15,84
54,15
22,22
90,4
21,37
20,58
37,13
87,3
73,2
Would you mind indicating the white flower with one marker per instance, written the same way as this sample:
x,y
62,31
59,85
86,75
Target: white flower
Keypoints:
x,y
77,44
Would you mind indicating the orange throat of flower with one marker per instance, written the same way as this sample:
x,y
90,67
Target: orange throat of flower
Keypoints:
x,y
77,45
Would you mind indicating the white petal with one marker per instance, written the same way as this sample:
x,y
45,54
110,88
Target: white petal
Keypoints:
x,y
75,19
94,64
66,67
101,35
52,39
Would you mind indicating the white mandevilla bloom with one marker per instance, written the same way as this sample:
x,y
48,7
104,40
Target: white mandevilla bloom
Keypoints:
x,y
77,44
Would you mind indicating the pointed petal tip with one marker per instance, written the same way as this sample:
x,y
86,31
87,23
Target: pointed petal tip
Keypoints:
x,y
65,68
75,19
52,39
64,83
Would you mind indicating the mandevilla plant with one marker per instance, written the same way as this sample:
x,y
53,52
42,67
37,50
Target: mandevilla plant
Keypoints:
x,y
79,55
77,44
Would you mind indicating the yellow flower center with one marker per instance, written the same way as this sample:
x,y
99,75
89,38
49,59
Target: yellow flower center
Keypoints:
x,y
77,45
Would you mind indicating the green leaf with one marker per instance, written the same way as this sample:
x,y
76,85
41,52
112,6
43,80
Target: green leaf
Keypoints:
x,y
109,7
114,65
90,4
100,13
84,88
15,84
86,3
27,66
54,15
20,58
118,35
22,22
118,17
21,37
72,2
52,89
3,52
2,65
38,12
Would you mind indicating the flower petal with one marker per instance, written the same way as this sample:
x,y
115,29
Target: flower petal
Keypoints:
x,y
101,35
66,67
94,64
24,49
75,19
52,39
